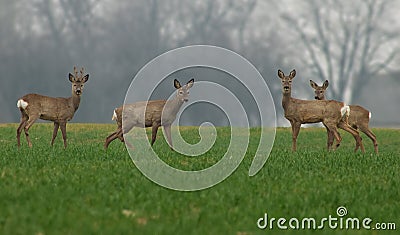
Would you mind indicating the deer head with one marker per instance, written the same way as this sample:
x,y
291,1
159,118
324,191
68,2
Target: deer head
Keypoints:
x,y
182,92
78,81
319,91
286,81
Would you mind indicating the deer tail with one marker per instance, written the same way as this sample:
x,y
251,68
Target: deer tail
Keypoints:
x,y
21,104
345,111
114,116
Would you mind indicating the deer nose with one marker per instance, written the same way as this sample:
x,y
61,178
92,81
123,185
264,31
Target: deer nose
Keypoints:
x,y
286,88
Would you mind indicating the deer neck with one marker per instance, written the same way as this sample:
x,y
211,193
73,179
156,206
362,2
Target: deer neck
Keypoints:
x,y
286,98
74,101
173,105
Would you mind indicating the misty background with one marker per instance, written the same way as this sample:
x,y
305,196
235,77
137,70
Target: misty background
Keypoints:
x,y
353,44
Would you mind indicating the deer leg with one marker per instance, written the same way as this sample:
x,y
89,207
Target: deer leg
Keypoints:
x,y
56,126
295,132
28,125
154,130
121,137
355,134
337,136
334,133
63,127
167,130
330,137
371,135
120,133
113,136
24,119
124,130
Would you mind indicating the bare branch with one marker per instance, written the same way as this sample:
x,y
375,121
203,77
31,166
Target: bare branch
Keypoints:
x,y
323,39
343,38
308,45
376,68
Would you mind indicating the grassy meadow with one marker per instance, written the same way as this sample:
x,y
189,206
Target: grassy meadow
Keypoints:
x,y
86,190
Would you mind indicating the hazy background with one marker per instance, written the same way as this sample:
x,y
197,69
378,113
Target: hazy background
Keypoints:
x,y
353,44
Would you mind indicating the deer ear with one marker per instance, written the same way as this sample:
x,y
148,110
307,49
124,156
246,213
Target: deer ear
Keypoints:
x,y
177,84
292,74
190,83
326,84
313,84
280,74
85,78
71,77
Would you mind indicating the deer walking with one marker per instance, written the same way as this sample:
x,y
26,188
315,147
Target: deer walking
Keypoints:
x,y
58,110
359,116
157,113
330,112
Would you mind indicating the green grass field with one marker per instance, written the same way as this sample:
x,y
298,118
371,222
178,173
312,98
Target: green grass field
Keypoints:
x,y
86,190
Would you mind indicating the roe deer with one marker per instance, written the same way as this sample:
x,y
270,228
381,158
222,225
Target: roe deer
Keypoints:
x,y
158,113
59,110
359,116
330,112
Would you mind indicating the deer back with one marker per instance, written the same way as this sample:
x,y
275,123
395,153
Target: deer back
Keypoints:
x,y
141,114
358,115
48,108
312,111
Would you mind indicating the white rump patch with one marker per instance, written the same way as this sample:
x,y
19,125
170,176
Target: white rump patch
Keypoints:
x,y
345,110
114,117
22,104
369,115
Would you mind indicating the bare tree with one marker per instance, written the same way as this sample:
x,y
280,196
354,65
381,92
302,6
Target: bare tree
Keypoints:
x,y
346,42
40,39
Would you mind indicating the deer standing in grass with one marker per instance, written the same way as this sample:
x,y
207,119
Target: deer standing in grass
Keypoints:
x,y
359,116
58,110
331,113
156,113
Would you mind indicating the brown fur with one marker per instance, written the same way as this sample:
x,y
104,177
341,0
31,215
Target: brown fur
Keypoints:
x,y
312,111
359,116
58,110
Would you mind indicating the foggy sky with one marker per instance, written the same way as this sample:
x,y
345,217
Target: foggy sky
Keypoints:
x,y
42,40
